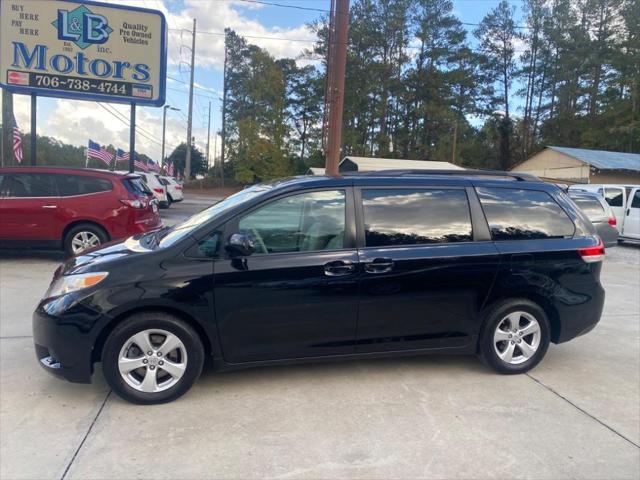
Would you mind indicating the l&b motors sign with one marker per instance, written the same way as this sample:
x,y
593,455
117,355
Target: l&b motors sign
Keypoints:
x,y
82,49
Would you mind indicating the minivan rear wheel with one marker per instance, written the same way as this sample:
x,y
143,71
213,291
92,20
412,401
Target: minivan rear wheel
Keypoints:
x,y
515,336
82,237
152,357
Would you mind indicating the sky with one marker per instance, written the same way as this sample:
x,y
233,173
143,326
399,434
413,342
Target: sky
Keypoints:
x,y
75,122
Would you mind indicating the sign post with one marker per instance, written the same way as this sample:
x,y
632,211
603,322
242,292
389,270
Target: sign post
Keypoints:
x,y
85,50
132,138
34,149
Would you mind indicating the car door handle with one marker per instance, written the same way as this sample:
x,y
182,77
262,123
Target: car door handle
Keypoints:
x,y
49,206
338,268
378,265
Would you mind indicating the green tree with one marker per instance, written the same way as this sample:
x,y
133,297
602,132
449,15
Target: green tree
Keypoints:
x,y
198,161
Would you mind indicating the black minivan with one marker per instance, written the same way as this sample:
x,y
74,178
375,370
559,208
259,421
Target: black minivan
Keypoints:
x,y
321,268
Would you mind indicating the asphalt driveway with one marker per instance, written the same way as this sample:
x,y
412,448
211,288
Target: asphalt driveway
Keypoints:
x,y
577,415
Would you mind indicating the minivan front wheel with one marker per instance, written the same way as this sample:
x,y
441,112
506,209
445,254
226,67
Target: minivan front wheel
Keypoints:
x,y
515,336
152,357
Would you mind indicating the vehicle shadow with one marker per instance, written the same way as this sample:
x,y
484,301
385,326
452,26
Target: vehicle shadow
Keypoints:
x,y
438,364
13,254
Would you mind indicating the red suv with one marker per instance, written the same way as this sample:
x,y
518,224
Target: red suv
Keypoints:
x,y
72,208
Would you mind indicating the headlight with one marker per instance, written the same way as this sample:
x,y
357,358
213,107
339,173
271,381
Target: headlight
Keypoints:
x,y
72,283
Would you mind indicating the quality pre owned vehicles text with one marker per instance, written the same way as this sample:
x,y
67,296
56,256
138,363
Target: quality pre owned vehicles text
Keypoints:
x,y
319,268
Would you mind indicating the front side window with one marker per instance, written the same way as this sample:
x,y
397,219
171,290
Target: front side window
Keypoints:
x,y
613,196
70,185
413,216
635,203
515,214
299,223
27,185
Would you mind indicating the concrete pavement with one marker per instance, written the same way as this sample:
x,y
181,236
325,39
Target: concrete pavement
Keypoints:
x,y
577,415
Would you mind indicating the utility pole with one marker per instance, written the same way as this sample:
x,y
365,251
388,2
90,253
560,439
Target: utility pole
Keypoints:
x,y
224,112
187,162
336,65
164,127
7,128
208,134
455,141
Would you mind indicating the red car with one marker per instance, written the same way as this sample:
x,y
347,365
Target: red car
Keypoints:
x,y
72,208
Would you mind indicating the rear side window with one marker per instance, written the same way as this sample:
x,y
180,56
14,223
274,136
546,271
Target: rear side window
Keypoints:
x,y
592,208
70,185
516,214
613,196
415,216
27,185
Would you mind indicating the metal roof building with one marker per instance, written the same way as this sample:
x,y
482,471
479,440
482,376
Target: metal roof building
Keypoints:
x,y
580,165
370,164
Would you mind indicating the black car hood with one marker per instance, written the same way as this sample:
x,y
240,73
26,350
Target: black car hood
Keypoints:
x,y
97,258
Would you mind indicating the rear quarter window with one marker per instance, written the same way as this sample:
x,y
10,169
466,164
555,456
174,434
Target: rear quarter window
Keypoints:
x,y
592,208
136,186
520,214
614,196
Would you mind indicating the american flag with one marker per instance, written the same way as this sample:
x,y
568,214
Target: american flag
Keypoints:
x,y
122,156
17,142
139,163
169,168
95,151
153,166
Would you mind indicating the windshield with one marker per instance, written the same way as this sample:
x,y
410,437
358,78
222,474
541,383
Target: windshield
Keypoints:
x,y
169,236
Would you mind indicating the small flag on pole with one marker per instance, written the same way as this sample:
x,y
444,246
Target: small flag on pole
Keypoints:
x,y
17,142
122,156
96,151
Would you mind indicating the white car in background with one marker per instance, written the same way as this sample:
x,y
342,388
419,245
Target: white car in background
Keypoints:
x,y
174,188
155,185
624,201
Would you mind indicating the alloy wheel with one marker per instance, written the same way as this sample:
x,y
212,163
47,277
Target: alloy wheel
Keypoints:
x,y
517,337
152,360
84,240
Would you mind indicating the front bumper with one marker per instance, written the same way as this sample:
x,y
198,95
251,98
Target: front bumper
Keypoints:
x,y
63,342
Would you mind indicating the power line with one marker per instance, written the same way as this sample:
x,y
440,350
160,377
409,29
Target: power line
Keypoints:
x,y
120,117
282,5
115,112
262,37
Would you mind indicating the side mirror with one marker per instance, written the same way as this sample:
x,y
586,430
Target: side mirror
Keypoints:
x,y
240,245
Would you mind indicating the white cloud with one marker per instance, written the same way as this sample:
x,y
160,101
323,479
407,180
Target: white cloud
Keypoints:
x,y
213,17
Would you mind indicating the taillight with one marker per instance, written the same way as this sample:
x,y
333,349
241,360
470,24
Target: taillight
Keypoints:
x,y
158,190
178,187
612,220
593,254
133,203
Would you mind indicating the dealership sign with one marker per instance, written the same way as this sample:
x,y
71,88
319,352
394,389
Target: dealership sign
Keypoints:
x,y
82,49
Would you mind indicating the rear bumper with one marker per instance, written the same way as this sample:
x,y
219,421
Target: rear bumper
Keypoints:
x,y
579,319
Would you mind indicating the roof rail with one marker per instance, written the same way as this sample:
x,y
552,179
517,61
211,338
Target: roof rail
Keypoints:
x,y
521,177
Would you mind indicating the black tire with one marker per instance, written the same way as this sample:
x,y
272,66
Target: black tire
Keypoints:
x,y
170,199
90,228
494,317
152,321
